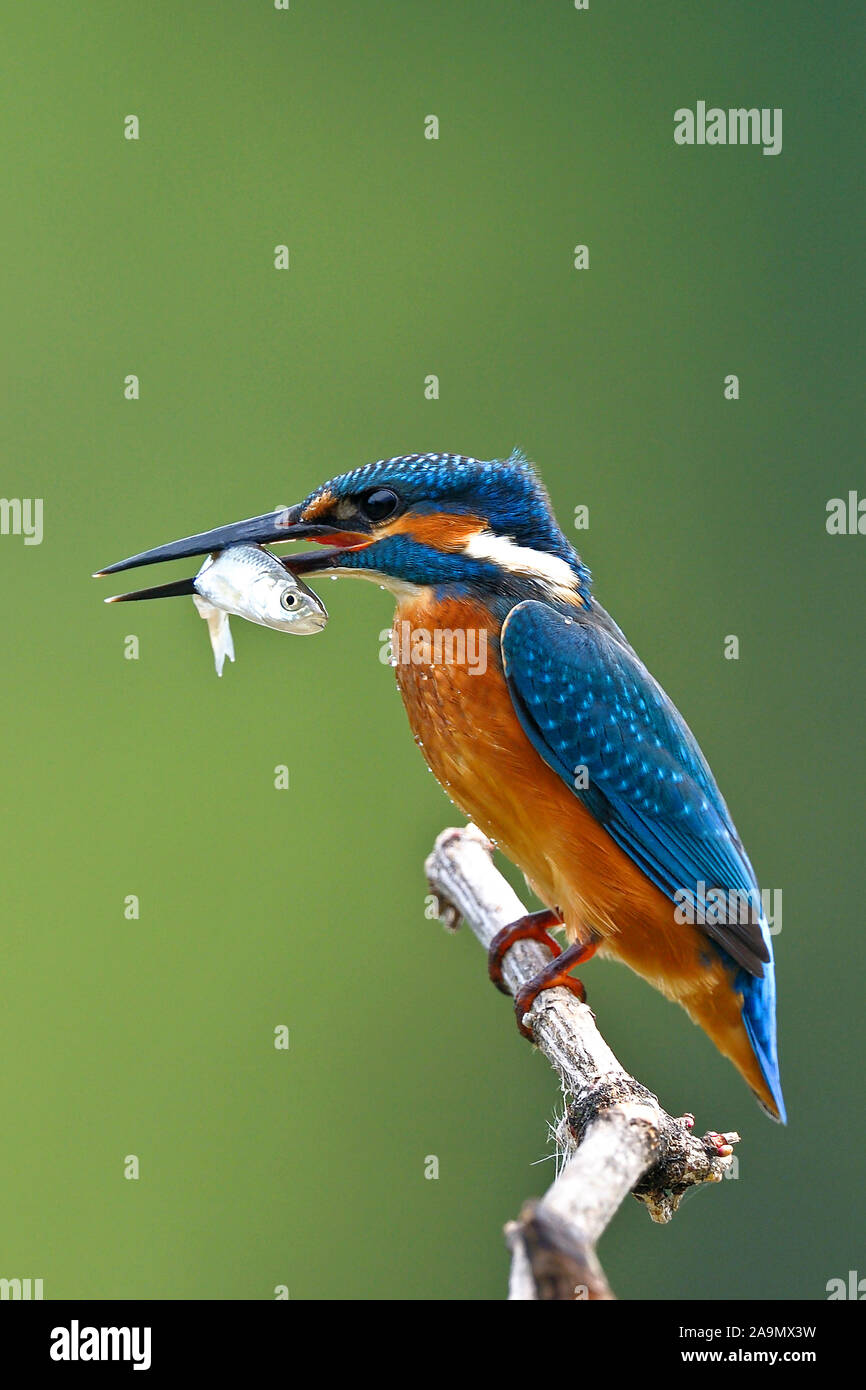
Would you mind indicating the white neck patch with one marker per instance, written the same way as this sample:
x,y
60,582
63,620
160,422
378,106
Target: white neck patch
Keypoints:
x,y
555,574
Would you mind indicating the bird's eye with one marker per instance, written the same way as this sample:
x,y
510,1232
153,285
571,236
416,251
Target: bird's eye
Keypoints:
x,y
288,599
381,503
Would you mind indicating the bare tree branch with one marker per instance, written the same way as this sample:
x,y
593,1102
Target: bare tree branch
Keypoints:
x,y
614,1137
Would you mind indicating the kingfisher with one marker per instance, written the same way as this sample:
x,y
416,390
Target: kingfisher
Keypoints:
x,y
560,745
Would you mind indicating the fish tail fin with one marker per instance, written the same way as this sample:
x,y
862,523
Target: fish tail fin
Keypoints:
x,y
220,631
223,646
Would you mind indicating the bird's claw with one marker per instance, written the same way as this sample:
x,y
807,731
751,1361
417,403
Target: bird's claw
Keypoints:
x,y
533,927
526,997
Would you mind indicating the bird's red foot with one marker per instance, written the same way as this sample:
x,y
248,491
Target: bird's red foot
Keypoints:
x,y
533,927
556,973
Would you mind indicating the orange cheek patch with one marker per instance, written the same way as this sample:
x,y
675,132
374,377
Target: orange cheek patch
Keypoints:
x,y
318,506
438,530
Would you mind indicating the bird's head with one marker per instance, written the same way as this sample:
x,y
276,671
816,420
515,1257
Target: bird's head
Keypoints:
x,y
441,522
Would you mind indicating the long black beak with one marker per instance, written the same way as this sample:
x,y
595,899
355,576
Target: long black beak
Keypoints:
x,y
180,587
284,524
279,525
308,562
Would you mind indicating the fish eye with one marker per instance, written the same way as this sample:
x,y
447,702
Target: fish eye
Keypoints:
x,y
288,599
380,504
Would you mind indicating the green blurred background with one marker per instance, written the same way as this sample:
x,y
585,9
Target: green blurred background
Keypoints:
x,y
151,777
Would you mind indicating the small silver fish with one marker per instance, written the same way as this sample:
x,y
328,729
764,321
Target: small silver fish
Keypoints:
x,y
249,582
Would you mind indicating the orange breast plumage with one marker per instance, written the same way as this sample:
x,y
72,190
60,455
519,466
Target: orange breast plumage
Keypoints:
x,y
463,718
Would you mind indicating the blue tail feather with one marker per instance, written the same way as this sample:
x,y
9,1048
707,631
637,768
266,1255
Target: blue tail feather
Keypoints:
x,y
759,1016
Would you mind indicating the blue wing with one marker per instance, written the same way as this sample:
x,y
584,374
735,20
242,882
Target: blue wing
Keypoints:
x,y
585,700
